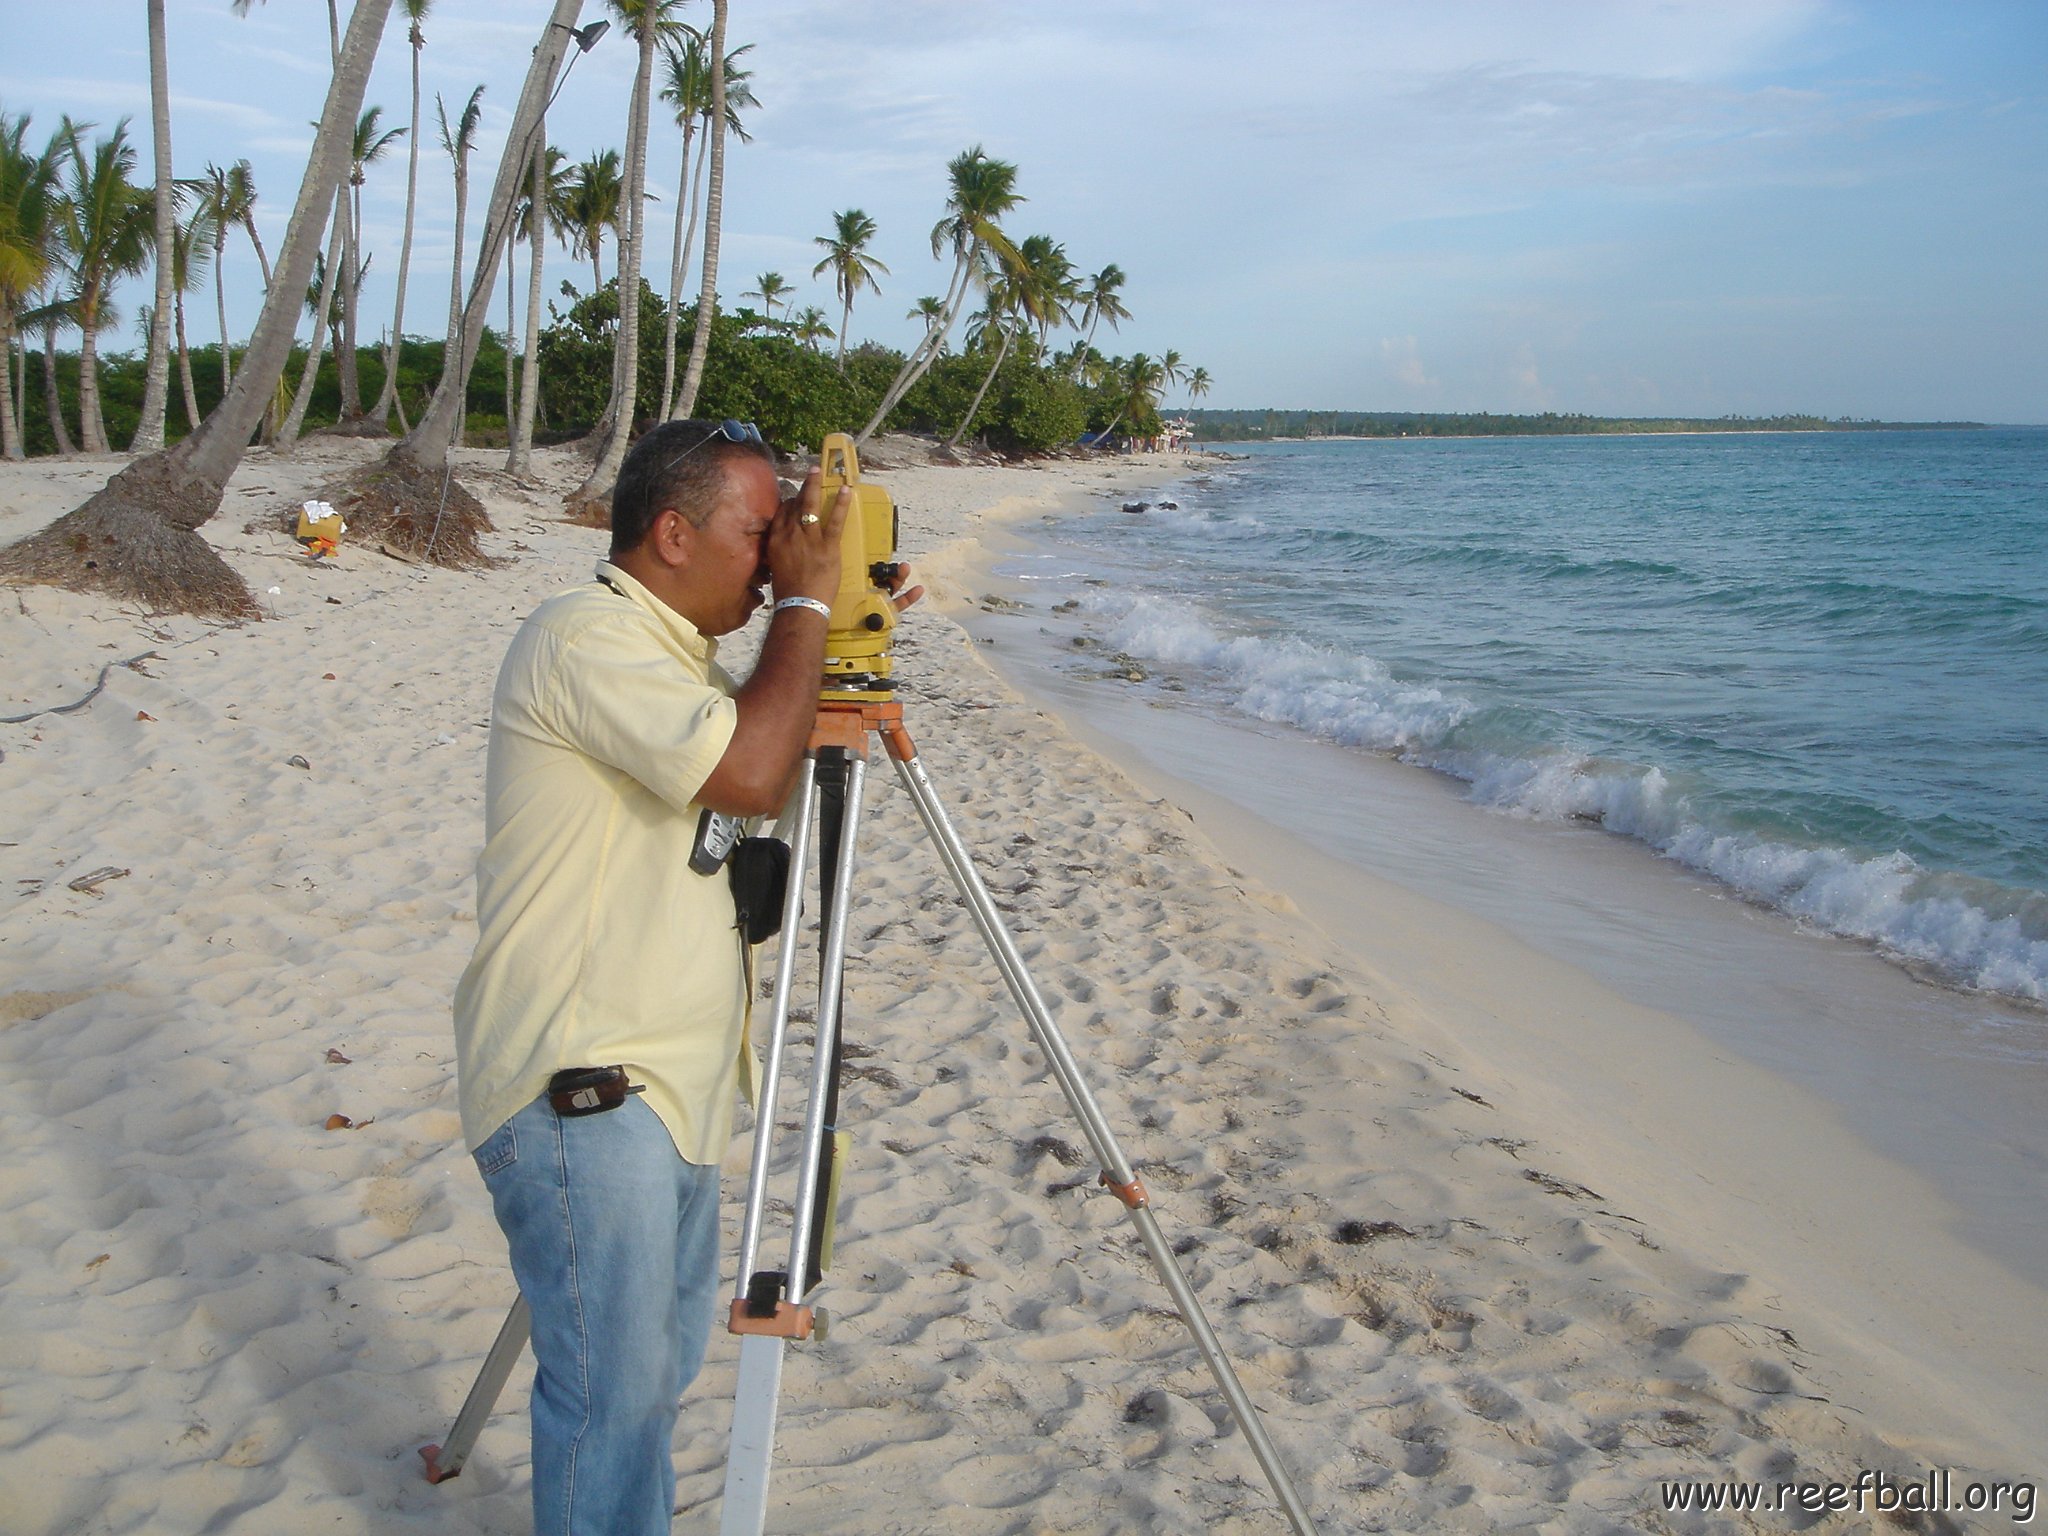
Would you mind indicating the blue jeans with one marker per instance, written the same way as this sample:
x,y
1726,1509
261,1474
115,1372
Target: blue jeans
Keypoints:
x,y
614,1243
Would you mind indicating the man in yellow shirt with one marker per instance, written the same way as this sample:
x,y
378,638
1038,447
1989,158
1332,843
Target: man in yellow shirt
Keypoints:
x,y
615,737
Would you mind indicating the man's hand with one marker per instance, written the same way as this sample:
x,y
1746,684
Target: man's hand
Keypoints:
x,y
802,550
897,595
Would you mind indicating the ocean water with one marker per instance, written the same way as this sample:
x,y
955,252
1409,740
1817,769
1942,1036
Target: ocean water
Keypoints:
x,y
1811,667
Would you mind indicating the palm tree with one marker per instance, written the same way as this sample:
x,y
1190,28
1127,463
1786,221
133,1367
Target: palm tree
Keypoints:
x,y
1100,301
135,538
1140,383
242,187
149,428
688,90
851,266
28,199
536,216
689,93
810,326
322,274
46,320
771,290
1169,366
931,309
983,190
1198,384
320,292
372,139
219,202
420,461
714,213
459,139
387,396
104,229
192,246
646,20
594,203
1006,284
1027,292
1049,280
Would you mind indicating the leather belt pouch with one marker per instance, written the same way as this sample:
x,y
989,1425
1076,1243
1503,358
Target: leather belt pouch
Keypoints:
x,y
578,1091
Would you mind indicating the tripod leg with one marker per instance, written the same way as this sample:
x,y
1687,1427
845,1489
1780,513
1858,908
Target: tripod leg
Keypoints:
x,y
798,820
755,1404
770,1310
446,1460
1116,1171
812,1237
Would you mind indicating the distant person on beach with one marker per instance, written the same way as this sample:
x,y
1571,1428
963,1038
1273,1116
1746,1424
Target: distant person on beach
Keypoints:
x,y
600,1025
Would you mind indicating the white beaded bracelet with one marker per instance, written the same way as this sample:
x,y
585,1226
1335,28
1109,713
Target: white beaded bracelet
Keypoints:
x,y
804,602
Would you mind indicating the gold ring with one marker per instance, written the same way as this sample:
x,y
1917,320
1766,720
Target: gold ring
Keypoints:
x,y
808,518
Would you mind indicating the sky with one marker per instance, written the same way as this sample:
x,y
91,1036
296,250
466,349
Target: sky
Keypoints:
x,y
1621,207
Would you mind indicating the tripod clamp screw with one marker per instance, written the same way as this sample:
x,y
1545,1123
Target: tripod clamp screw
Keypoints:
x,y
1132,1194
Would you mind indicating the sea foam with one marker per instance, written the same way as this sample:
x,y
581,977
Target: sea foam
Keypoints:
x,y
1974,933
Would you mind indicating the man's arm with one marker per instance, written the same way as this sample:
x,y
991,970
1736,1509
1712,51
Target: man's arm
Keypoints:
x,y
779,703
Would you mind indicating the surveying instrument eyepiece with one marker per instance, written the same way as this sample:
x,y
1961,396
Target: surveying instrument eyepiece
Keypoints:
x,y
772,1308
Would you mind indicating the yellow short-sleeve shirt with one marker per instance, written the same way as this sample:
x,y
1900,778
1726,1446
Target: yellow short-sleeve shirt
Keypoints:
x,y
597,943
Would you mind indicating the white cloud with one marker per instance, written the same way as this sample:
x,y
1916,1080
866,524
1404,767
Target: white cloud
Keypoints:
x,y
1403,357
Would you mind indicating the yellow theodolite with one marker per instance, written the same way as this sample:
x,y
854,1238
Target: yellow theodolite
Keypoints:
x,y
857,657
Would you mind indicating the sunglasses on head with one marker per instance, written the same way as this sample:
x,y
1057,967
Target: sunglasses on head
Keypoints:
x,y
728,431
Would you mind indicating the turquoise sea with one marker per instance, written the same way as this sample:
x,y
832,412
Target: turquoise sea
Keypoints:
x,y
1812,667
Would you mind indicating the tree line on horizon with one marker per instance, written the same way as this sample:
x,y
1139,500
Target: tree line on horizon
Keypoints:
x,y
1245,426
76,220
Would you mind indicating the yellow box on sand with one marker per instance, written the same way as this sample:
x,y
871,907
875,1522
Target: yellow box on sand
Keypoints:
x,y
324,529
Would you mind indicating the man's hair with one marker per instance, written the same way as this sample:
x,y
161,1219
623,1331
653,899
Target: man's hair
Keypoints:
x,y
680,464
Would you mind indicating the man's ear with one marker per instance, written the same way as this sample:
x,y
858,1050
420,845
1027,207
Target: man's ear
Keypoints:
x,y
672,538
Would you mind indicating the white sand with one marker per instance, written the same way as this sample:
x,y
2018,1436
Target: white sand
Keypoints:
x,y
216,1315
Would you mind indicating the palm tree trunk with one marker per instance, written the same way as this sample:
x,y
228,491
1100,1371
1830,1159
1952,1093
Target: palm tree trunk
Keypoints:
x,y
10,392
714,214
288,434
262,257
626,358
845,319
351,276
92,424
212,452
926,351
53,403
220,302
519,459
678,259
455,285
185,368
511,319
149,429
961,431
387,397
428,443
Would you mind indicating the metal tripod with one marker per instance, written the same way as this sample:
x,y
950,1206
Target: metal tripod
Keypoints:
x,y
773,1307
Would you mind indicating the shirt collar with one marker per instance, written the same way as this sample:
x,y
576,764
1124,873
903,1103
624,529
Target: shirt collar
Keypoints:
x,y
686,634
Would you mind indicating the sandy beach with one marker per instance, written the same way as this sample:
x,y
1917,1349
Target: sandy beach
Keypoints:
x,y
1454,1208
